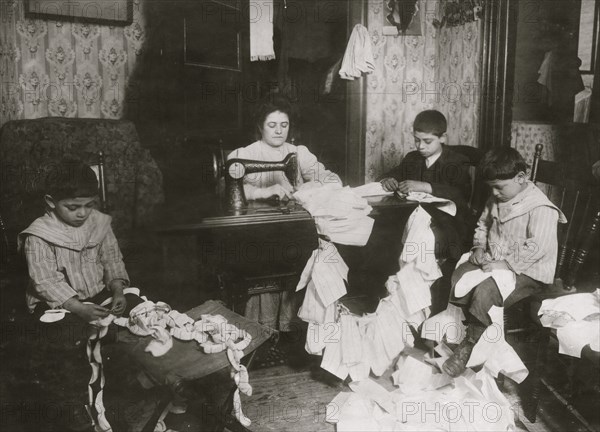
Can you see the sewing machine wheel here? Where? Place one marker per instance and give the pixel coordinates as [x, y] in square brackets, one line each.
[217, 167]
[237, 170]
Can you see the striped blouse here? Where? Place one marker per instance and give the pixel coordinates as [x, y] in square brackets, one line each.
[523, 232]
[59, 273]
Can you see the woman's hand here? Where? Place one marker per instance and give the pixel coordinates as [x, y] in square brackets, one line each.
[390, 184]
[276, 190]
[408, 186]
[477, 257]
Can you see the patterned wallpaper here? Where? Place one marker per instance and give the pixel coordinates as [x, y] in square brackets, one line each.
[59, 69]
[525, 136]
[437, 70]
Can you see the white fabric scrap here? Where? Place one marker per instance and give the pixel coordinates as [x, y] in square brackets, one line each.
[495, 353]
[418, 265]
[371, 189]
[505, 280]
[559, 311]
[577, 320]
[358, 58]
[334, 408]
[369, 389]
[471, 402]
[412, 375]
[448, 323]
[576, 335]
[444, 204]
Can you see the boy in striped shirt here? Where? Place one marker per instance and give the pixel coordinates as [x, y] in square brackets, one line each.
[517, 231]
[73, 257]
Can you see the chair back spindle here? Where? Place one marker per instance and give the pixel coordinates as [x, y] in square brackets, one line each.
[102, 183]
[578, 203]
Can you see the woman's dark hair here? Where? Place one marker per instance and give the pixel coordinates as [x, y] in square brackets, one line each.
[69, 178]
[430, 121]
[501, 163]
[270, 104]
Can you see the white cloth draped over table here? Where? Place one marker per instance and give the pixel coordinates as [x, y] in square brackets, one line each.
[339, 213]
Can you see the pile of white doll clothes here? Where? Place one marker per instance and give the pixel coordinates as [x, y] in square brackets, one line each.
[324, 278]
[425, 400]
[339, 213]
[357, 345]
[212, 332]
[576, 318]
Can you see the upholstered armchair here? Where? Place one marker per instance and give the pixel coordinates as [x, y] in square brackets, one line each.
[133, 179]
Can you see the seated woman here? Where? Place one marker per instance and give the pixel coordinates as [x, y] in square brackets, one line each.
[273, 124]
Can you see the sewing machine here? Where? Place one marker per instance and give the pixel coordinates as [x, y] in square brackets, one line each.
[235, 170]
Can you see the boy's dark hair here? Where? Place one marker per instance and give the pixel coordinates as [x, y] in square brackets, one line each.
[430, 121]
[501, 163]
[69, 178]
[270, 104]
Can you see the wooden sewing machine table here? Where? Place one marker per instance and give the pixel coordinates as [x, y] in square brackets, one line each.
[265, 247]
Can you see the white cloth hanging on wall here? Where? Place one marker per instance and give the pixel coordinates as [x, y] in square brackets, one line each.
[261, 30]
[358, 58]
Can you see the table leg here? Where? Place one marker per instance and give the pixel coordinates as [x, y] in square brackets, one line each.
[165, 398]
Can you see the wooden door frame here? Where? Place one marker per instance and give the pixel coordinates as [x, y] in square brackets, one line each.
[497, 78]
[356, 108]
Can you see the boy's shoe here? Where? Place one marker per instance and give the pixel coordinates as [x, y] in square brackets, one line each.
[456, 364]
[178, 407]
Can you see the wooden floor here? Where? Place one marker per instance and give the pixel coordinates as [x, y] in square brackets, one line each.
[288, 400]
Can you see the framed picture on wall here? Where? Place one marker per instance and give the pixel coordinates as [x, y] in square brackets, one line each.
[401, 17]
[107, 12]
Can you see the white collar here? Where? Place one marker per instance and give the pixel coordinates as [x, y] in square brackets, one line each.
[431, 159]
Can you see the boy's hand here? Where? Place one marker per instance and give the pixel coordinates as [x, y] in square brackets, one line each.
[408, 186]
[85, 311]
[477, 257]
[119, 304]
[390, 184]
[488, 266]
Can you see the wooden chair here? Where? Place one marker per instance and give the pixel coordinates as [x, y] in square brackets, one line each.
[578, 202]
[99, 170]
[479, 191]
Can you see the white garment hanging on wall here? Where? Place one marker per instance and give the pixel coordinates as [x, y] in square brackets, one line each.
[358, 58]
[261, 30]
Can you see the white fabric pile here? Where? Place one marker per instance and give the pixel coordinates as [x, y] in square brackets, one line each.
[357, 345]
[323, 277]
[338, 212]
[577, 320]
[212, 332]
[426, 400]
